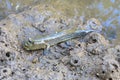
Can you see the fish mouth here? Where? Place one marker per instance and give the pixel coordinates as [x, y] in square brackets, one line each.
[25, 47]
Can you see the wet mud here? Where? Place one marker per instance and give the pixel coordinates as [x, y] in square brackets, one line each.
[90, 57]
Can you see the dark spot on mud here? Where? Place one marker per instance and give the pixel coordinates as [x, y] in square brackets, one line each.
[4, 71]
[79, 45]
[2, 41]
[118, 50]
[112, 71]
[61, 27]
[97, 75]
[93, 22]
[116, 67]
[13, 73]
[1, 60]
[110, 79]
[70, 48]
[8, 54]
[24, 69]
[10, 59]
[75, 61]
[6, 45]
[92, 40]
[103, 72]
[4, 24]
[17, 36]
[55, 21]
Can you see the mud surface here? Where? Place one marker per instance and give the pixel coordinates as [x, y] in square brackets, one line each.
[90, 57]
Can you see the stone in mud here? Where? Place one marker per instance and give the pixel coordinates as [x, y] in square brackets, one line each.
[75, 61]
[76, 57]
[95, 37]
[96, 43]
[94, 24]
[6, 72]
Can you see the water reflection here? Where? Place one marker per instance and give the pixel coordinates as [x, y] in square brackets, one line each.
[107, 11]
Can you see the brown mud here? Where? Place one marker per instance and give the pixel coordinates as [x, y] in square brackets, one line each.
[91, 57]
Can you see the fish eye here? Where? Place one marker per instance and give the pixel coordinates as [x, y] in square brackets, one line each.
[30, 41]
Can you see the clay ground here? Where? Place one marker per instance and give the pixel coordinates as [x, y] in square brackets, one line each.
[90, 57]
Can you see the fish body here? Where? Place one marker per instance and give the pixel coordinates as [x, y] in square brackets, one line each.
[50, 40]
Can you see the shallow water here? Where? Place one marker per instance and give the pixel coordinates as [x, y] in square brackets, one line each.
[107, 11]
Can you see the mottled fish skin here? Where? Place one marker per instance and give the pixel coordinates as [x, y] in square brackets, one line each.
[50, 40]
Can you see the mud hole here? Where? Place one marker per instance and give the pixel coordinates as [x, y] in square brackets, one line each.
[90, 57]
